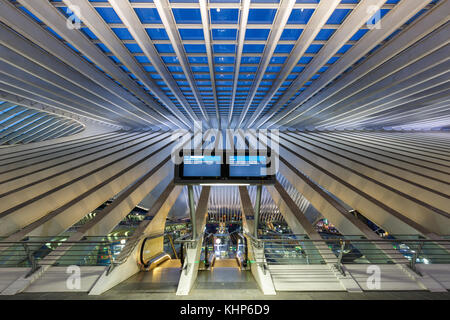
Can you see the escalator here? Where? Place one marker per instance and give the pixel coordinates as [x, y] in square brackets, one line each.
[225, 262]
[160, 272]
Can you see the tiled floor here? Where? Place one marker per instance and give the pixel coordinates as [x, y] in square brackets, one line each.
[229, 294]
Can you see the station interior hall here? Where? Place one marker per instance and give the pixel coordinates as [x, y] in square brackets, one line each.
[224, 149]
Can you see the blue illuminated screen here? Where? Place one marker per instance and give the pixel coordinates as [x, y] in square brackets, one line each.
[201, 166]
[247, 166]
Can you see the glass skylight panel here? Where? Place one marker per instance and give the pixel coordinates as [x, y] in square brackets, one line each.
[257, 34]
[109, 15]
[284, 48]
[171, 59]
[332, 60]
[87, 59]
[203, 83]
[113, 58]
[133, 48]
[157, 33]
[199, 69]
[224, 48]
[175, 68]
[273, 69]
[253, 48]
[224, 76]
[325, 34]
[224, 60]
[224, 34]
[338, 16]
[314, 48]
[122, 33]
[248, 69]
[187, 15]
[250, 60]
[203, 60]
[89, 33]
[298, 69]
[359, 34]
[64, 11]
[220, 15]
[300, 16]
[102, 47]
[191, 34]
[201, 76]
[195, 48]
[261, 16]
[244, 76]
[304, 60]
[224, 69]
[344, 48]
[291, 34]
[164, 48]
[269, 76]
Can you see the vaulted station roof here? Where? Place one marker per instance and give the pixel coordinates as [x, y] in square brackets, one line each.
[369, 64]
[20, 124]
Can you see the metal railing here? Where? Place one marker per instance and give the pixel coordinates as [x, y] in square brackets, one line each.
[34, 252]
[299, 249]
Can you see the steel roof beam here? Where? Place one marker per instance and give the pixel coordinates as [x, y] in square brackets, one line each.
[40, 131]
[165, 13]
[375, 98]
[35, 94]
[34, 105]
[131, 21]
[97, 25]
[13, 17]
[426, 96]
[25, 70]
[431, 46]
[19, 130]
[244, 10]
[10, 112]
[315, 24]
[21, 124]
[358, 17]
[53, 18]
[281, 18]
[222, 5]
[5, 105]
[418, 29]
[69, 132]
[408, 112]
[204, 11]
[14, 77]
[16, 118]
[65, 127]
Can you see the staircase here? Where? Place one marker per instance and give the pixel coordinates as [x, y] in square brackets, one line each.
[304, 278]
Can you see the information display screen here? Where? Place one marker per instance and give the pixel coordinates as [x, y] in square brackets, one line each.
[202, 166]
[221, 168]
[247, 166]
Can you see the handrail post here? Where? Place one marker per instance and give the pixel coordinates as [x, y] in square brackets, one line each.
[414, 258]
[173, 246]
[33, 264]
[192, 210]
[257, 209]
[339, 262]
